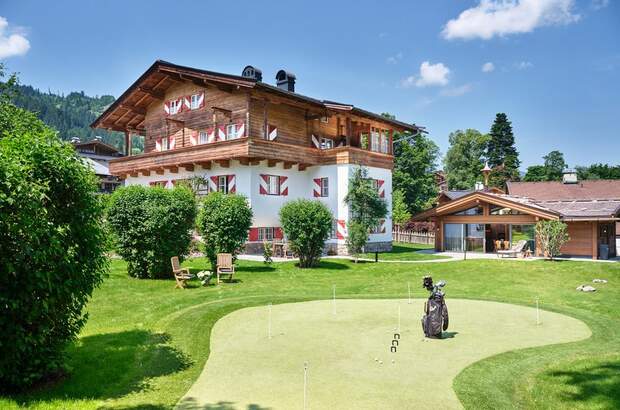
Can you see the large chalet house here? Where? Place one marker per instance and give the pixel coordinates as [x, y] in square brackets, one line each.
[477, 219]
[245, 136]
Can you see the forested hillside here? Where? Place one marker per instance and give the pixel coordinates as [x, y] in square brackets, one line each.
[70, 115]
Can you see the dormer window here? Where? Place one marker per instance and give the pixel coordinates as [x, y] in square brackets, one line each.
[194, 101]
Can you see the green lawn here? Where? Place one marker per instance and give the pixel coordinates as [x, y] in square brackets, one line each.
[146, 342]
[405, 252]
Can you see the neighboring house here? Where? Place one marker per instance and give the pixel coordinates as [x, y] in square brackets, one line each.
[266, 142]
[97, 156]
[591, 209]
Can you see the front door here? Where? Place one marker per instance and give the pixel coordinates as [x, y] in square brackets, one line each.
[607, 236]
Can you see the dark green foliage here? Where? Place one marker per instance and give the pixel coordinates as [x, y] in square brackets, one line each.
[151, 225]
[501, 153]
[551, 235]
[400, 213]
[357, 236]
[224, 222]
[307, 225]
[552, 169]
[365, 205]
[415, 160]
[52, 247]
[535, 173]
[465, 158]
[599, 171]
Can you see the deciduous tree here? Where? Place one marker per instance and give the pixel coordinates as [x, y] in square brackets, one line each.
[552, 235]
[465, 157]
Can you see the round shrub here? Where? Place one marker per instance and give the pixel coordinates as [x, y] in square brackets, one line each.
[151, 225]
[307, 225]
[52, 248]
[224, 222]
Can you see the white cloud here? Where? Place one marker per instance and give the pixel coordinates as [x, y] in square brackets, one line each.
[14, 44]
[457, 91]
[395, 59]
[492, 18]
[488, 67]
[523, 65]
[599, 4]
[430, 74]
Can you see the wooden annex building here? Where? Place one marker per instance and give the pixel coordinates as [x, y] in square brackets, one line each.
[477, 219]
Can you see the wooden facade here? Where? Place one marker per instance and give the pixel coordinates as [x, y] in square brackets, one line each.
[307, 132]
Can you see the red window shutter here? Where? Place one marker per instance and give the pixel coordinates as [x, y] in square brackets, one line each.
[193, 138]
[283, 186]
[232, 188]
[240, 129]
[253, 234]
[317, 187]
[171, 142]
[381, 188]
[264, 183]
[201, 100]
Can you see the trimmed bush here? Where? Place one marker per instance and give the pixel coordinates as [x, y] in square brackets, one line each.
[552, 235]
[307, 225]
[52, 248]
[224, 222]
[151, 225]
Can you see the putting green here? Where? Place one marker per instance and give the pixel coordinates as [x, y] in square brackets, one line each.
[247, 370]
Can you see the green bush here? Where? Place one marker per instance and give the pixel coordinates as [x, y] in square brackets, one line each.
[151, 225]
[552, 235]
[224, 222]
[356, 238]
[52, 248]
[307, 225]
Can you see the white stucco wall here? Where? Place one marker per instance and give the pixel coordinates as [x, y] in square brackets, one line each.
[300, 185]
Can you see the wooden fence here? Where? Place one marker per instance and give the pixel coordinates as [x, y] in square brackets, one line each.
[427, 238]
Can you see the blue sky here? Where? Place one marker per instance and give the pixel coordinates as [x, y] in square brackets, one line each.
[552, 65]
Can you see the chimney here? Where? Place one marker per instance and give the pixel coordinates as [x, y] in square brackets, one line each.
[252, 73]
[569, 176]
[285, 80]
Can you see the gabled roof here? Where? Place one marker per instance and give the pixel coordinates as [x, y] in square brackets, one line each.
[95, 142]
[559, 191]
[129, 110]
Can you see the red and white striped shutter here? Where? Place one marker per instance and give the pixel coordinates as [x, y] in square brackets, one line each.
[317, 187]
[283, 186]
[213, 184]
[201, 100]
[253, 234]
[180, 105]
[232, 187]
[193, 138]
[341, 229]
[381, 188]
[158, 144]
[210, 135]
[221, 133]
[273, 132]
[167, 107]
[187, 102]
[240, 129]
[264, 184]
[315, 142]
[172, 142]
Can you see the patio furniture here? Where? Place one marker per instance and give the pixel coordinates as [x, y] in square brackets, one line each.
[517, 249]
[278, 249]
[181, 275]
[225, 266]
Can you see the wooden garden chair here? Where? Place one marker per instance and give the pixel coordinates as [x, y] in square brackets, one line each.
[225, 266]
[181, 275]
[517, 249]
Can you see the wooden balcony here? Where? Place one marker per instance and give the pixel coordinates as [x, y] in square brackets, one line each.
[248, 151]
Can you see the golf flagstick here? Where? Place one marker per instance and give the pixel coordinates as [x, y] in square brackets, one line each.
[537, 313]
[409, 292]
[334, 298]
[305, 385]
[398, 318]
[269, 326]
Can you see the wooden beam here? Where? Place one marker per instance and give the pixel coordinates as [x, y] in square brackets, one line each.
[159, 95]
[224, 163]
[594, 240]
[224, 111]
[244, 161]
[272, 163]
[173, 169]
[288, 165]
[127, 143]
[255, 161]
[205, 165]
[159, 171]
[134, 109]
[134, 174]
[188, 167]
[146, 172]
[302, 167]
[348, 131]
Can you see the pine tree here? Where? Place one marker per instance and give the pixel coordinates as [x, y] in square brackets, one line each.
[502, 155]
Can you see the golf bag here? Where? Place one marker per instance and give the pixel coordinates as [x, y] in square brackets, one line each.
[435, 319]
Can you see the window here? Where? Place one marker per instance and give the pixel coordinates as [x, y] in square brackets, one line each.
[499, 210]
[194, 101]
[327, 143]
[164, 144]
[222, 184]
[174, 106]
[374, 141]
[324, 187]
[325, 120]
[202, 137]
[231, 131]
[274, 185]
[384, 142]
[265, 234]
[477, 210]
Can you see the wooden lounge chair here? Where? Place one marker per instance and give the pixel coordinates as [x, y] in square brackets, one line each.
[225, 266]
[517, 249]
[181, 275]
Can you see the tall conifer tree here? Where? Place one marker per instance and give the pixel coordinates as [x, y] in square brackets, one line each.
[502, 155]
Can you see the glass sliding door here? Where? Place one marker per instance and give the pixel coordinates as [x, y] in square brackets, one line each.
[523, 232]
[453, 237]
[475, 237]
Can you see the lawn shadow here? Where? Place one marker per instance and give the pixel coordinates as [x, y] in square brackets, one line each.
[333, 264]
[112, 365]
[594, 384]
[190, 404]
[254, 269]
[448, 335]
